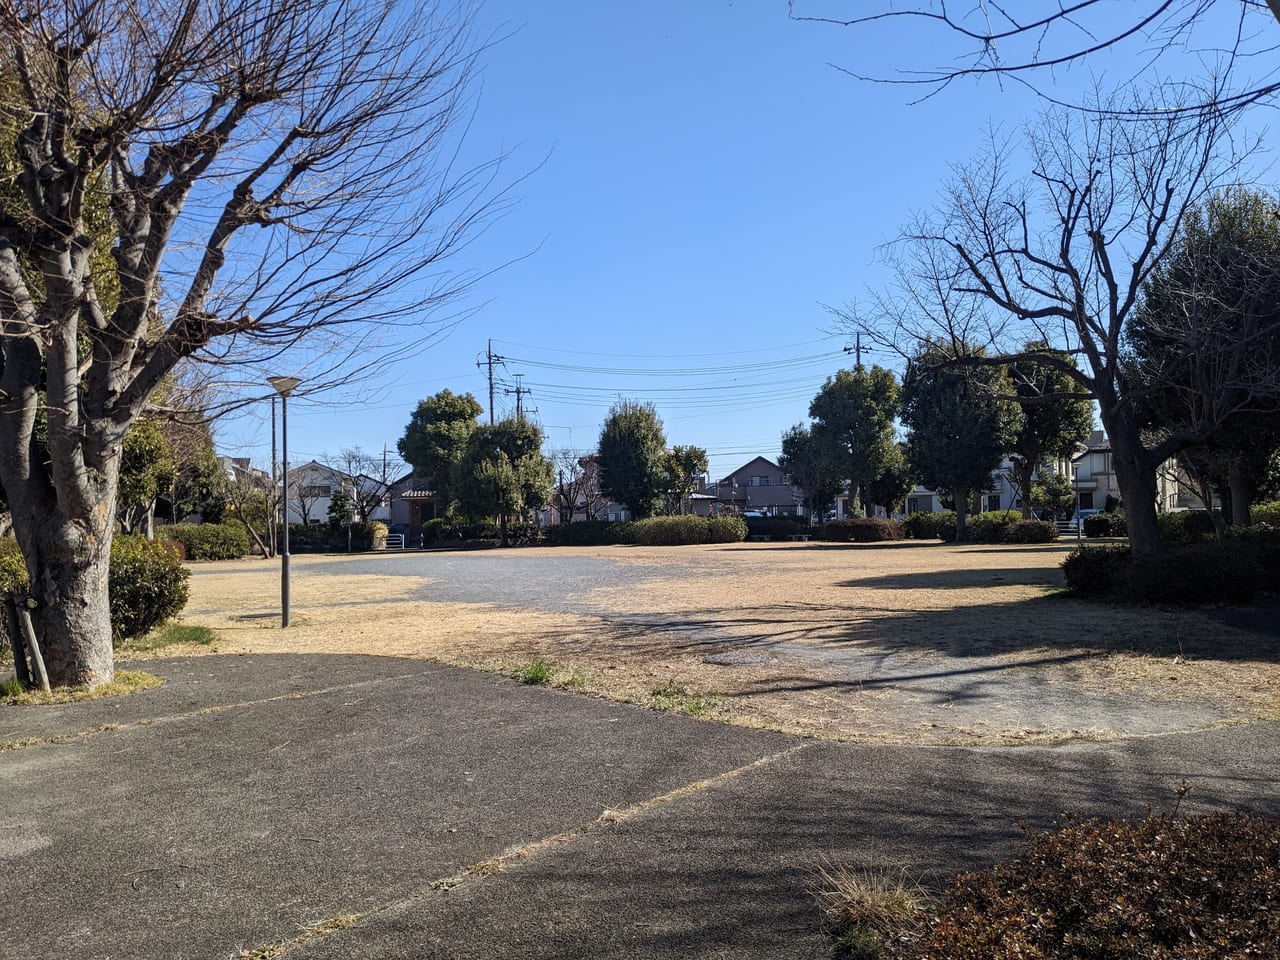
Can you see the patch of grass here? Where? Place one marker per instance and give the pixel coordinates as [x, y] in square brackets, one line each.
[538, 672]
[871, 916]
[574, 680]
[11, 689]
[171, 634]
[126, 682]
[677, 698]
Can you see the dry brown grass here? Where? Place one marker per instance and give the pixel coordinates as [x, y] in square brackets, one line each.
[930, 606]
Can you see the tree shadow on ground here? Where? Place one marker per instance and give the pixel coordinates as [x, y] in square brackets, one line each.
[1048, 623]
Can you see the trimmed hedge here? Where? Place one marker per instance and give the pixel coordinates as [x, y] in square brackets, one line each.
[929, 525]
[1032, 531]
[583, 533]
[147, 583]
[778, 527]
[1185, 526]
[688, 529]
[991, 527]
[1164, 888]
[1236, 571]
[1105, 525]
[862, 530]
[210, 541]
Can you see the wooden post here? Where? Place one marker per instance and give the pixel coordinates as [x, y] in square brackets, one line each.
[20, 668]
[33, 645]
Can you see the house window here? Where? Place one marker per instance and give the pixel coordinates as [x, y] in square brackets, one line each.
[317, 490]
[1086, 500]
[993, 501]
[913, 504]
[759, 481]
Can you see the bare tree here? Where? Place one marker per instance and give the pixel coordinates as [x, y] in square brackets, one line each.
[1032, 40]
[573, 484]
[1059, 255]
[372, 475]
[255, 500]
[282, 182]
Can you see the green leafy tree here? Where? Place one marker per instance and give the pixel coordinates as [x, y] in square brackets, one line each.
[340, 508]
[811, 469]
[853, 418]
[632, 457]
[1056, 418]
[895, 481]
[1053, 492]
[147, 468]
[959, 432]
[436, 438]
[502, 471]
[1205, 342]
[682, 467]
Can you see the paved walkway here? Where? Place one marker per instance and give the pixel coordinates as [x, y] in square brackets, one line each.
[361, 807]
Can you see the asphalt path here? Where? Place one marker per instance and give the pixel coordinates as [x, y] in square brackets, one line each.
[360, 807]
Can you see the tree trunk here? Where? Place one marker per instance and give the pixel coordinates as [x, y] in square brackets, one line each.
[868, 508]
[1238, 482]
[961, 498]
[502, 527]
[68, 564]
[1136, 474]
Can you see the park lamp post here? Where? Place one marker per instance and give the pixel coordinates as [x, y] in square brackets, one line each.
[284, 386]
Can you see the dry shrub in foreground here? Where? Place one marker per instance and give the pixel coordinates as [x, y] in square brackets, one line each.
[1190, 888]
[1164, 888]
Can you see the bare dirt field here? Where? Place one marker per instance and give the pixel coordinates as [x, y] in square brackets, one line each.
[908, 642]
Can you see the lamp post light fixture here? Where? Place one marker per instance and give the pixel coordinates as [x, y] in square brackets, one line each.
[284, 386]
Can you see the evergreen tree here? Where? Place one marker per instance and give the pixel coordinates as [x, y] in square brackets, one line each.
[632, 457]
[853, 417]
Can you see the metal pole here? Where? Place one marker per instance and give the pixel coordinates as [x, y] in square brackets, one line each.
[284, 556]
[275, 481]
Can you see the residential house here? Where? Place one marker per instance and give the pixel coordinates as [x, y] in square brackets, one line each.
[758, 486]
[311, 490]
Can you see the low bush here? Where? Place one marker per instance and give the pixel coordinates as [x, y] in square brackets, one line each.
[1031, 531]
[582, 533]
[1105, 525]
[991, 527]
[779, 528]
[1185, 526]
[862, 530]
[1096, 571]
[1265, 513]
[688, 529]
[147, 583]
[1190, 888]
[930, 525]
[147, 586]
[1236, 571]
[210, 541]
[434, 529]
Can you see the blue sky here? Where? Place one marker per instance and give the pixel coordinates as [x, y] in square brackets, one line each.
[701, 182]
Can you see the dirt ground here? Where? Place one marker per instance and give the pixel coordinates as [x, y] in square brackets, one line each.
[917, 643]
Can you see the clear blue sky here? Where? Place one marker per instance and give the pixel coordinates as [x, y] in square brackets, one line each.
[701, 183]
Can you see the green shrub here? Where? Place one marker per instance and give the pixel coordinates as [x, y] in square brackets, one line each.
[1185, 526]
[147, 582]
[779, 528]
[147, 585]
[13, 569]
[862, 530]
[1032, 531]
[434, 529]
[1096, 571]
[211, 541]
[1265, 513]
[688, 529]
[929, 525]
[369, 532]
[582, 533]
[991, 527]
[1236, 571]
[1191, 888]
[1105, 525]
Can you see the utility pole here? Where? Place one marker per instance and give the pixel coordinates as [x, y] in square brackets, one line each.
[858, 355]
[489, 357]
[519, 391]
